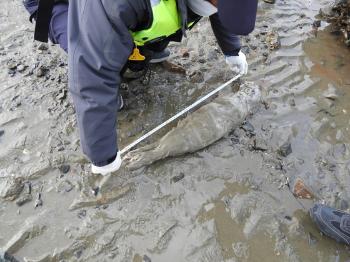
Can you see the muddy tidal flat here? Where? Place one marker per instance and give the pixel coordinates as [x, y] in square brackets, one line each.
[244, 198]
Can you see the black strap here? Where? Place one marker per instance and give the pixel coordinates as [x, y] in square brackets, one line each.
[43, 19]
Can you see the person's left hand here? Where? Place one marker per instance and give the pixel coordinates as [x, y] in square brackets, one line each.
[238, 64]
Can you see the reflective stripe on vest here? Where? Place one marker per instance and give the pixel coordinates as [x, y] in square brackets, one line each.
[166, 21]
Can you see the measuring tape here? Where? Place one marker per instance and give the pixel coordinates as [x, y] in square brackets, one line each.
[154, 130]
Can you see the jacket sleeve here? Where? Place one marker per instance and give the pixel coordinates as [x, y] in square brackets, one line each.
[229, 43]
[99, 45]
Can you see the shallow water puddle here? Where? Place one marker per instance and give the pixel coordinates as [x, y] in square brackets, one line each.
[331, 68]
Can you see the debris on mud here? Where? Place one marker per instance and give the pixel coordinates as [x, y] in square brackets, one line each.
[301, 191]
[177, 178]
[174, 68]
[273, 40]
[100, 199]
[339, 16]
[24, 199]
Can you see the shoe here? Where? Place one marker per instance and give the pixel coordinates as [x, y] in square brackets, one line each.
[121, 103]
[333, 223]
[161, 56]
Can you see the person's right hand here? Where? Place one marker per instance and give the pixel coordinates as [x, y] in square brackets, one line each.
[238, 64]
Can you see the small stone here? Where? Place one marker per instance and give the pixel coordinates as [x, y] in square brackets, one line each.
[288, 218]
[285, 149]
[39, 201]
[64, 169]
[11, 65]
[146, 259]
[12, 72]
[177, 178]
[185, 53]
[316, 23]
[24, 200]
[82, 214]
[260, 144]
[21, 68]
[40, 72]
[292, 102]
[301, 191]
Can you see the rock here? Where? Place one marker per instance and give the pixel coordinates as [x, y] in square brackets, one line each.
[301, 191]
[285, 149]
[24, 199]
[64, 169]
[177, 178]
[11, 187]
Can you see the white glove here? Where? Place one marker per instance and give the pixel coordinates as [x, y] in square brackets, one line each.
[112, 167]
[238, 64]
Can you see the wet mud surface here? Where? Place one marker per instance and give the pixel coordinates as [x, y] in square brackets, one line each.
[232, 201]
